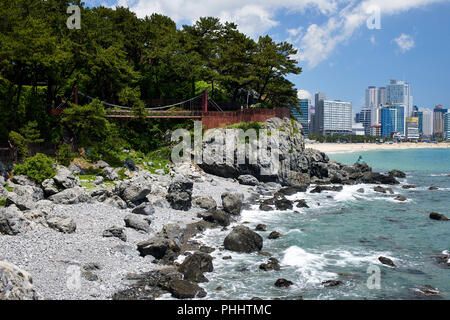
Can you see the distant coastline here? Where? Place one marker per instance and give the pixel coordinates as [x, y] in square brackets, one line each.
[353, 147]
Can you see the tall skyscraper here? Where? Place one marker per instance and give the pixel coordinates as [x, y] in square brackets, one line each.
[427, 122]
[399, 93]
[319, 98]
[381, 96]
[447, 126]
[412, 128]
[334, 117]
[364, 117]
[419, 115]
[438, 121]
[392, 121]
[372, 102]
[301, 112]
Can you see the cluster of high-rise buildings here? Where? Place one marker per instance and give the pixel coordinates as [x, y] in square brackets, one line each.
[388, 113]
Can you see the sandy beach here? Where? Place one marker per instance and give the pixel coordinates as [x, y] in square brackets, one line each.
[349, 147]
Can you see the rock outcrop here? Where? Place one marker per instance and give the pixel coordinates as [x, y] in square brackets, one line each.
[180, 193]
[242, 239]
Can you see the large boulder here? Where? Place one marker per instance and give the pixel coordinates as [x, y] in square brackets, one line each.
[49, 187]
[110, 174]
[134, 191]
[242, 239]
[218, 216]
[438, 216]
[71, 196]
[204, 202]
[115, 232]
[138, 223]
[183, 289]
[248, 180]
[231, 203]
[61, 223]
[397, 173]
[145, 209]
[15, 283]
[157, 247]
[195, 265]
[12, 221]
[24, 197]
[65, 179]
[22, 180]
[180, 193]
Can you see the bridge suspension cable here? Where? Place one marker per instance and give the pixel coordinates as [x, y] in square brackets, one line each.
[156, 108]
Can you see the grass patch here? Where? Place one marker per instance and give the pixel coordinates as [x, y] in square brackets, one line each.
[160, 159]
[121, 174]
[87, 177]
[8, 188]
[87, 185]
[2, 202]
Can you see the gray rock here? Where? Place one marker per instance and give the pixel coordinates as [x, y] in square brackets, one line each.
[102, 164]
[195, 265]
[157, 247]
[62, 223]
[261, 227]
[204, 202]
[218, 216]
[137, 223]
[24, 197]
[231, 203]
[116, 232]
[272, 264]
[49, 187]
[12, 221]
[71, 196]
[65, 179]
[2, 181]
[274, 235]
[135, 190]
[183, 289]
[248, 180]
[76, 169]
[110, 174]
[283, 283]
[145, 209]
[116, 201]
[242, 239]
[180, 193]
[15, 283]
[23, 181]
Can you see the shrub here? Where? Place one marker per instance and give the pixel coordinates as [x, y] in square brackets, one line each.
[19, 143]
[38, 168]
[2, 202]
[64, 154]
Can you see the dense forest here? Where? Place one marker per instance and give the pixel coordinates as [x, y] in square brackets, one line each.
[119, 58]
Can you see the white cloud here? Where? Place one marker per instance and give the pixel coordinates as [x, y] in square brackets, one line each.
[304, 94]
[254, 17]
[315, 42]
[404, 42]
[319, 42]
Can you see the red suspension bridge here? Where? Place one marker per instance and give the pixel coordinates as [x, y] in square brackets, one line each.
[194, 108]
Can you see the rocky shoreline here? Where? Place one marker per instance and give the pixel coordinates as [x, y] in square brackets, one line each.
[122, 239]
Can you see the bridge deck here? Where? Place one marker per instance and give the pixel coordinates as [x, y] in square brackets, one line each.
[155, 114]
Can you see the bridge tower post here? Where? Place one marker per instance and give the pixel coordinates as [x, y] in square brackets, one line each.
[75, 94]
[205, 101]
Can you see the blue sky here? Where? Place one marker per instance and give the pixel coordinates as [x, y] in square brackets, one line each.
[339, 54]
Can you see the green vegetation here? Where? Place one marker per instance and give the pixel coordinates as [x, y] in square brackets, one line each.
[342, 138]
[64, 154]
[120, 58]
[39, 168]
[2, 202]
[8, 188]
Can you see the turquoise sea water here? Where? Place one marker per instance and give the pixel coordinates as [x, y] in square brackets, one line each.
[342, 234]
